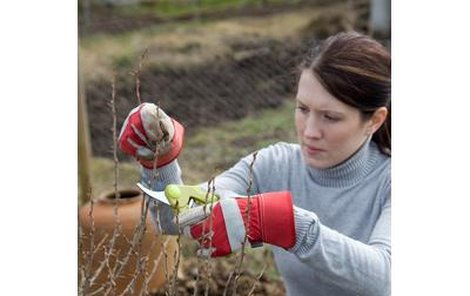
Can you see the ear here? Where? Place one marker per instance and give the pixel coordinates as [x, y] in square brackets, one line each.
[377, 119]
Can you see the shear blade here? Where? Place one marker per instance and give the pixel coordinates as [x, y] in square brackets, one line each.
[158, 195]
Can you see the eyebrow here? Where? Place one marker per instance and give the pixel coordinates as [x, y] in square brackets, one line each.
[323, 110]
[300, 101]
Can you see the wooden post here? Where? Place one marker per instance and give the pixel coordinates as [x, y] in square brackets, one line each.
[84, 150]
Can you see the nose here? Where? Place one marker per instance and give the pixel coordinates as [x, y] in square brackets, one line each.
[312, 128]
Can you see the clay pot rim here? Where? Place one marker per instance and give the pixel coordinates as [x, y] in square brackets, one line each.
[127, 195]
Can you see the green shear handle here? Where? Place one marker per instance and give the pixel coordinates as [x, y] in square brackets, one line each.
[181, 197]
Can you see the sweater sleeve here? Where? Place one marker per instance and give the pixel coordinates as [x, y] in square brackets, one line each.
[162, 215]
[362, 268]
[240, 178]
[255, 172]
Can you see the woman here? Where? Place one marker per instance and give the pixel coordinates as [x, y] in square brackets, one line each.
[323, 204]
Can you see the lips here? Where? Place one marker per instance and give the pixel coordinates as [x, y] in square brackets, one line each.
[312, 150]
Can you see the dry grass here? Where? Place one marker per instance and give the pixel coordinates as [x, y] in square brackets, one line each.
[193, 42]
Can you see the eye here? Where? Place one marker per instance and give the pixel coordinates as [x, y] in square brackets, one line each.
[302, 108]
[331, 118]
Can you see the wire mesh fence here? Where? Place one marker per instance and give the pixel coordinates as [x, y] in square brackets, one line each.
[202, 95]
[251, 73]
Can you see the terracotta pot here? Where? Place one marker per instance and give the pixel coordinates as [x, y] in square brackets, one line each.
[129, 212]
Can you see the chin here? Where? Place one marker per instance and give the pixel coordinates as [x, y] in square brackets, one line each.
[316, 163]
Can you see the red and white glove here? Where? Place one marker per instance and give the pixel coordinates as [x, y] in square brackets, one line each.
[147, 129]
[270, 220]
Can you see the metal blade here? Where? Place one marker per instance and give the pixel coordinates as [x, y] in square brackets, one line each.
[158, 195]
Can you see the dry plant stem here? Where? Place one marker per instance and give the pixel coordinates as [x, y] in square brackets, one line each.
[96, 292]
[153, 182]
[258, 278]
[102, 264]
[117, 226]
[136, 75]
[136, 244]
[174, 282]
[114, 130]
[108, 252]
[210, 191]
[168, 285]
[140, 229]
[205, 265]
[117, 196]
[148, 276]
[236, 273]
[135, 248]
[165, 254]
[156, 262]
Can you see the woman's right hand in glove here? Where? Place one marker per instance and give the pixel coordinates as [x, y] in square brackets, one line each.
[151, 136]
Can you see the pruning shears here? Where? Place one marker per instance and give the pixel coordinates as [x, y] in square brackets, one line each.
[181, 197]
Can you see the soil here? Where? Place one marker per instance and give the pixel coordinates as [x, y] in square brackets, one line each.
[216, 278]
[110, 20]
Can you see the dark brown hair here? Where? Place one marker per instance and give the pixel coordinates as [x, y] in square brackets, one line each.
[356, 70]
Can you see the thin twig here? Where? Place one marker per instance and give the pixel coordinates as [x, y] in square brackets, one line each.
[136, 75]
[236, 273]
[117, 225]
[177, 255]
[156, 264]
[258, 278]
[163, 248]
[210, 191]
[92, 279]
[204, 263]
[135, 244]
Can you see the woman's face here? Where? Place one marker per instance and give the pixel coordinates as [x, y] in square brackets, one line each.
[329, 131]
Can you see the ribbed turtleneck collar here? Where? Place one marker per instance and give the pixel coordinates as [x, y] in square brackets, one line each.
[350, 171]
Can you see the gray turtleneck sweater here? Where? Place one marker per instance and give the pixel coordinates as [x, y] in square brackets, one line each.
[342, 217]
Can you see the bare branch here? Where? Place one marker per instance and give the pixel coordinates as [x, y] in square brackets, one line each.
[235, 275]
[136, 74]
[258, 278]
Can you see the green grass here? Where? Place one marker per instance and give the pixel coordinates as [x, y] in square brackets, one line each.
[172, 8]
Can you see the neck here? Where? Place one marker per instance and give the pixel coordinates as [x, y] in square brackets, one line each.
[350, 171]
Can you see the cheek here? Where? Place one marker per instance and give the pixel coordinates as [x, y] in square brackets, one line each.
[299, 124]
[341, 137]
[346, 140]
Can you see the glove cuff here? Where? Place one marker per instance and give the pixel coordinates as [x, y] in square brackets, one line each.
[175, 150]
[276, 215]
[271, 219]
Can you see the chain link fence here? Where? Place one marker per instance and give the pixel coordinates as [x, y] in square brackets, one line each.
[252, 74]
